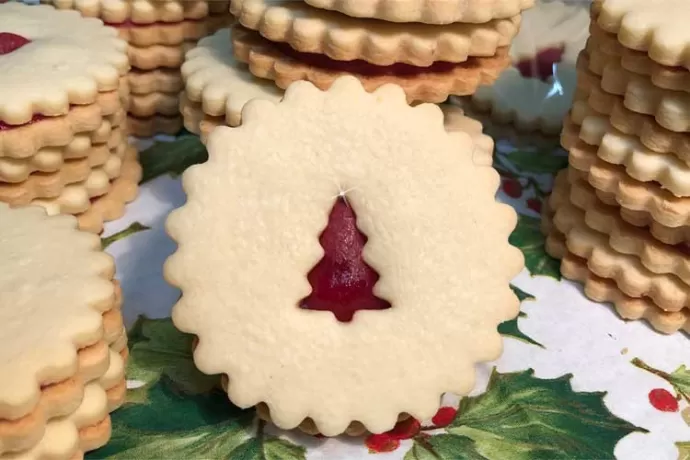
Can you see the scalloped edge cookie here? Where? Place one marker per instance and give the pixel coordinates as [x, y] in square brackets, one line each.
[340, 37]
[304, 387]
[266, 62]
[426, 11]
[137, 11]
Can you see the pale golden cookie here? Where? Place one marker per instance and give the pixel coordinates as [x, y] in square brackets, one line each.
[137, 11]
[343, 38]
[639, 62]
[640, 163]
[111, 206]
[164, 33]
[26, 140]
[427, 11]
[265, 61]
[221, 84]
[157, 124]
[671, 109]
[658, 27]
[627, 238]
[667, 290]
[148, 105]
[651, 134]
[409, 162]
[156, 56]
[36, 78]
[52, 159]
[163, 80]
[51, 185]
[71, 434]
[47, 249]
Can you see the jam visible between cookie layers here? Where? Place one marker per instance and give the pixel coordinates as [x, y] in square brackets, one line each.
[342, 282]
[127, 23]
[367, 69]
[541, 66]
[10, 42]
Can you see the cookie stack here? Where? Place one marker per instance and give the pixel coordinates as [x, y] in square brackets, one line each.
[64, 345]
[63, 94]
[430, 49]
[619, 216]
[159, 34]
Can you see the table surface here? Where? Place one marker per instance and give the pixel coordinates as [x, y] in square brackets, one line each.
[575, 381]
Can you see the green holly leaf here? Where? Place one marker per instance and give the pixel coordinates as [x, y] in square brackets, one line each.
[136, 227]
[510, 328]
[680, 379]
[180, 426]
[528, 238]
[443, 447]
[268, 448]
[171, 157]
[537, 162]
[683, 450]
[156, 349]
[520, 417]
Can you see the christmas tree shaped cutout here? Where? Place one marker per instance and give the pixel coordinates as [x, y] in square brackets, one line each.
[341, 281]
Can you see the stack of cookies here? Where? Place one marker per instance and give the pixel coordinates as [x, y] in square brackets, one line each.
[430, 49]
[64, 345]
[619, 216]
[159, 35]
[63, 96]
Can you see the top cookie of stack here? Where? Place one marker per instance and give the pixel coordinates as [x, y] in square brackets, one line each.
[431, 49]
[159, 34]
[621, 213]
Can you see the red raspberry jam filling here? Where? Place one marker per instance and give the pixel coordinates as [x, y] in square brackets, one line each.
[361, 67]
[342, 282]
[541, 66]
[127, 23]
[11, 42]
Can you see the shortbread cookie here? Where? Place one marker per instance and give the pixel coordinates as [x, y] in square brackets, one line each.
[111, 206]
[26, 140]
[56, 400]
[671, 109]
[529, 103]
[136, 11]
[46, 352]
[78, 198]
[666, 234]
[626, 238]
[157, 124]
[666, 289]
[163, 80]
[427, 11]
[158, 56]
[51, 159]
[163, 33]
[630, 308]
[640, 162]
[639, 62]
[36, 79]
[651, 134]
[407, 159]
[148, 105]
[113, 380]
[429, 84]
[342, 38]
[656, 27]
[51, 185]
[553, 25]
[221, 84]
[73, 434]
